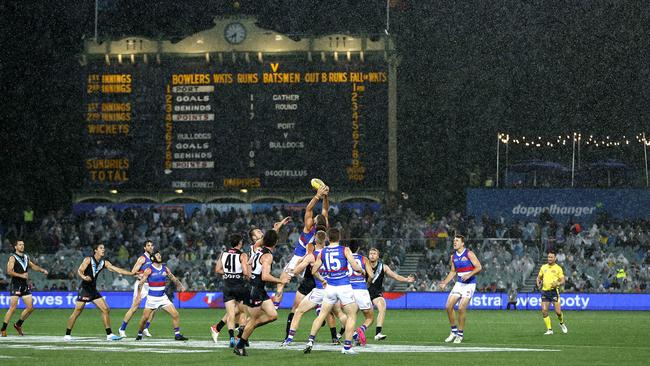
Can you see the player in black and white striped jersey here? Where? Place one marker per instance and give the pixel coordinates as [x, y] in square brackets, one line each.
[233, 266]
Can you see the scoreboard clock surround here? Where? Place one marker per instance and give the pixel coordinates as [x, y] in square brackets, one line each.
[191, 125]
[235, 33]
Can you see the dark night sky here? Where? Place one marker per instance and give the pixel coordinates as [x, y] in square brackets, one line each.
[468, 70]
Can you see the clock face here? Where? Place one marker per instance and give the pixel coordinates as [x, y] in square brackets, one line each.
[235, 33]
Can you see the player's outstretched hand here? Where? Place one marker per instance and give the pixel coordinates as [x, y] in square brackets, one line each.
[322, 191]
[281, 223]
[410, 279]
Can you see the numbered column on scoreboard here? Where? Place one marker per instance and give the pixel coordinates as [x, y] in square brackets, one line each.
[201, 126]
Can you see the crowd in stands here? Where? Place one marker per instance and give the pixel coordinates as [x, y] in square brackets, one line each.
[608, 256]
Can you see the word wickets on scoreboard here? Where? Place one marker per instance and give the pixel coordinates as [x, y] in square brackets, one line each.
[272, 125]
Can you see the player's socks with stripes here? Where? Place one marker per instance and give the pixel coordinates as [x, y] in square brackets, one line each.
[454, 329]
[123, 326]
[220, 325]
[377, 330]
[547, 321]
[109, 331]
[291, 334]
[177, 331]
[363, 328]
[289, 319]
[146, 325]
[347, 345]
[460, 333]
[19, 323]
[4, 326]
[311, 339]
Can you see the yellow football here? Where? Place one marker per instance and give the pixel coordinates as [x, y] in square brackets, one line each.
[317, 183]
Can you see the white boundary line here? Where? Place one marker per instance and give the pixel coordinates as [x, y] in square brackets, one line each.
[172, 346]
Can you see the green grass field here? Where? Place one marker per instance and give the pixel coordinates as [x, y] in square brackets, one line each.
[594, 338]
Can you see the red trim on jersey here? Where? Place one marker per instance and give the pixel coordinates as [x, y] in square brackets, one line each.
[465, 269]
[157, 284]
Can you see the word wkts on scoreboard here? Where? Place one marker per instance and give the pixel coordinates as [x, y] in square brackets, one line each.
[272, 125]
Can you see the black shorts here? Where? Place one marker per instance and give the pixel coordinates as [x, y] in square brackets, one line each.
[306, 286]
[236, 292]
[551, 296]
[375, 293]
[88, 294]
[257, 297]
[19, 288]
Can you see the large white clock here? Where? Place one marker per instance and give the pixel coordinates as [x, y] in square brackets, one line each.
[235, 33]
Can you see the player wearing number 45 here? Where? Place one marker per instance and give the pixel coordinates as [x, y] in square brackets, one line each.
[549, 279]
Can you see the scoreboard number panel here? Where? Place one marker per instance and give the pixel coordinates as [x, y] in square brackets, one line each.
[193, 125]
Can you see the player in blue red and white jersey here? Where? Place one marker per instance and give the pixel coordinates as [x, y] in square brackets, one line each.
[358, 281]
[332, 269]
[143, 262]
[464, 267]
[315, 296]
[305, 243]
[157, 276]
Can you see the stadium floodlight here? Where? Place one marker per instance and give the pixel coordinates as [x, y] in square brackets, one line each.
[178, 191]
[112, 191]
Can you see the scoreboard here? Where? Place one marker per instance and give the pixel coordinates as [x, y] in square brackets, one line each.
[189, 124]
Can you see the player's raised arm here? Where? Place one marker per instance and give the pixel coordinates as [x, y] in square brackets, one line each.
[179, 285]
[36, 267]
[452, 273]
[475, 262]
[112, 268]
[82, 269]
[396, 276]
[325, 211]
[309, 214]
[278, 225]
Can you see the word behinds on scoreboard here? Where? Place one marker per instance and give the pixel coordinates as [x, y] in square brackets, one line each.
[233, 126]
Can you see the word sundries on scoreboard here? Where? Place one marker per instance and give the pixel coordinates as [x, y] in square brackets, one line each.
[271, 125]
